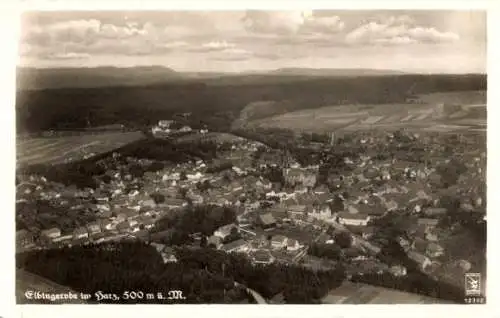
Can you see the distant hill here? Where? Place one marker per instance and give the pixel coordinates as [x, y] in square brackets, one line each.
[333, 72]
[107, 76]
[44, 78]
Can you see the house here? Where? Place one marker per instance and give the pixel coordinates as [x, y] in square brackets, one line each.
[391, 205]
[321, 189]
[168, 255]
[150, 203]
[262, 257]
[323, 238]
[123, 226]
[235, 246]
[305, 177]
[278, 212]
[159, 247]
[428, 222]
[321, 211]
[63, 238]
[80, 233]
[366, 232]
[464, 265]
[405, 244]
[107, 225]
[225, 230]
[165, 124]
[93, 228]
[398, 270]
[148, 222]
[141, 235]
[346, 218]
[216, 241]
[295, 210]
[421, 259]
[292, 245]
[51, 233]
[173, 203]
[279, 241]
[370, 247]
[431, 236]
[419, 244]
[24, 238]
[101, 198]
[434, 250]
[266, 221]
[435, 211]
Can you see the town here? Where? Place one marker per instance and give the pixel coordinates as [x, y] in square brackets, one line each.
[355, 199]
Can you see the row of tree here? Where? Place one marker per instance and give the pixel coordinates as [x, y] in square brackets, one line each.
[134, 267]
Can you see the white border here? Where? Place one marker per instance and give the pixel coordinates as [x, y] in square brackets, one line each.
[9, 28]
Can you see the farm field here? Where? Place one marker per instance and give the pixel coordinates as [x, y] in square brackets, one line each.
[458, 98]
[28, 281]
[418, 116]
[354, 293]
[54, 150]
[216, 136]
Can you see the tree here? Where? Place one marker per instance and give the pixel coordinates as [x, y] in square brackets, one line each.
[158, 198]
[343, 239]
[337, 205]
[203, 242]
[106, 179]
[156, 166]
[182, 192]
[183, 176]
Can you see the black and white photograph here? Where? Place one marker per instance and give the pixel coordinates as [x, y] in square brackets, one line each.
[259, 157]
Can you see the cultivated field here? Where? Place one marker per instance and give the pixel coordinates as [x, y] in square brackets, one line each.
[26, 281]
[458, 98]
[354, 293]
[60, 149]
[428, 116]
[211, 136]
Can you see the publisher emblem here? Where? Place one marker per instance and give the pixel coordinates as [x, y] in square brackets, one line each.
[472, 284]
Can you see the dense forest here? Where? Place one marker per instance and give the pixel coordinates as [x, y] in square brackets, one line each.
[203, 275]
[204, 219]
[215, 104]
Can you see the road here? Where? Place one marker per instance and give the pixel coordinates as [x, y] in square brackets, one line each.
[258, 297]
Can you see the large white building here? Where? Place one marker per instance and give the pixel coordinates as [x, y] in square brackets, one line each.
[360, 219]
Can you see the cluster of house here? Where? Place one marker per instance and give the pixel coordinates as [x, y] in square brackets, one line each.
[260, 249]
[167, 127]
[132, 212]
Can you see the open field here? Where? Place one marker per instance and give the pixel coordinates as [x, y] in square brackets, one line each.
[26, 281]
[413, 116]
[355, 293]
[457, 98]
[54, 150]
[211, 136]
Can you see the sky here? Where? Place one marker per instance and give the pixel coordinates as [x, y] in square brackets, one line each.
[427, 41]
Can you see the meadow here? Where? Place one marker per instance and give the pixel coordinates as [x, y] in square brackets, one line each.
[61, 149]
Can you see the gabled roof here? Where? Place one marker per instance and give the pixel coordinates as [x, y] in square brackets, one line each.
[291, 242]
[278, 238]
[51, 231]
[80, 230]
[428, 221]
[420, 258]
[297, 208]
[267, 219]
[233, 245]
[262, 256]
[352, 216]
